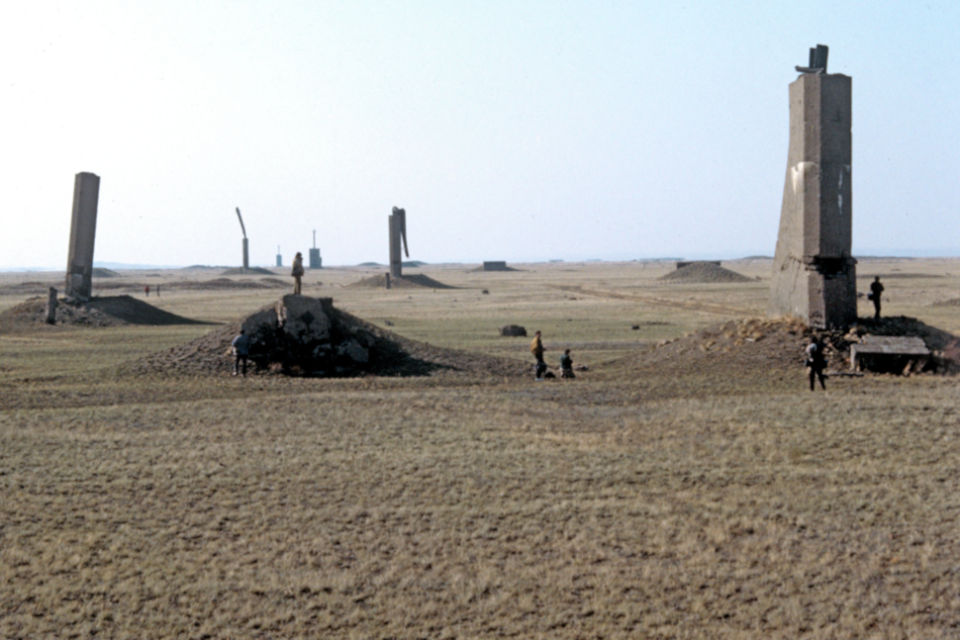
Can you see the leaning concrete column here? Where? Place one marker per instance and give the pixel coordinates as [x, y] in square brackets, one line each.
[814, 275]
[52, 306]
[398, 232]
[83, 229]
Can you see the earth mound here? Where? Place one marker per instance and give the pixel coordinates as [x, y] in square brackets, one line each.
[249, 271]
[108, 311]
[704, 272]
[379, 281]
[777, 345]
[305, 336]
[103, 272]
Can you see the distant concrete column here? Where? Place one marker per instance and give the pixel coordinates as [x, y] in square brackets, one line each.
[246, 254]
[52, 306]
[398, 232]
[814, 275]
[315, 261]
[83, 229]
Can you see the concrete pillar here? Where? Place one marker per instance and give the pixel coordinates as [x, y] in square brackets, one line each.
[398, 231]
[83, 229]
[814, 275]
[52, 306]
[315, 261]
[246, 255]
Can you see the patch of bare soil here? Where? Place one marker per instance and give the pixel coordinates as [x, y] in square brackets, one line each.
[379, 281]
[391, 355]
[704, 272]
[249, 271]
[109, 311]
[952, 302]
[227, 283]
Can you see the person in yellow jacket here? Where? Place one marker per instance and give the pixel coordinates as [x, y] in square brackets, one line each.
[536, 348]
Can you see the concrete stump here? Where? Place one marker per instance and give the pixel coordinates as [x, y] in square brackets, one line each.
[51, 317]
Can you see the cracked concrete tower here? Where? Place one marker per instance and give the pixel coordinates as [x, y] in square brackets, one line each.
[814, 275]
[83, 231]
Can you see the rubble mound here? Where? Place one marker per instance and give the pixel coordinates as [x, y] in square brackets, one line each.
[305, 336]
[379, 281]
[772, 344]
[704, 272]
[107, 311]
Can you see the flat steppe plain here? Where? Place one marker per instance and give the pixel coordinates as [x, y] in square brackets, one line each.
[682, 500]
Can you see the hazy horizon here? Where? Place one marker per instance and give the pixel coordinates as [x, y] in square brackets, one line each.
[522, 131]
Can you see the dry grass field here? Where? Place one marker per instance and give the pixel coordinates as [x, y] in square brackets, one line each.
[701, 496]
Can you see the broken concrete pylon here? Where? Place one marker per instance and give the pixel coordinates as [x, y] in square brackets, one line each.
[814, 275]
[83, 230]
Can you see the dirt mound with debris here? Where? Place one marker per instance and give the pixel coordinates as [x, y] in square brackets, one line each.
[776, 345]
[108, 311]
[103, 272]
[704, 272]
[386, 353]
[379, 281]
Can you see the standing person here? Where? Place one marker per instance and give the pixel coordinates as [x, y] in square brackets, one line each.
[566, 365]
[297, 272]
[876, 289]
[241, 349]
[536, 348]
[146, 290]
[816, 361]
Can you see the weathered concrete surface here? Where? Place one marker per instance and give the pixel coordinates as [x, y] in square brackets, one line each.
[83, 230]
[814, 275]
[889, 353]
[398, 232]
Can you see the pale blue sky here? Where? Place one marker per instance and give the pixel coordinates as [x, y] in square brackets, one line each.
[517, 131]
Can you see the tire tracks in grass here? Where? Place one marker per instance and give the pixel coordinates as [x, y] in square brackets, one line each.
[706, 307]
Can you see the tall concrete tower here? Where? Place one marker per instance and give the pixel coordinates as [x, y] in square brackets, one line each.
[814, 275]
[83, 230]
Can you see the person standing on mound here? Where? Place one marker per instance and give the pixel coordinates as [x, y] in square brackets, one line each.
[876, 290]
[297, 272]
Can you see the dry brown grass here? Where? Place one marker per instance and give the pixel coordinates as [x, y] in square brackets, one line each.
[707, 503]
